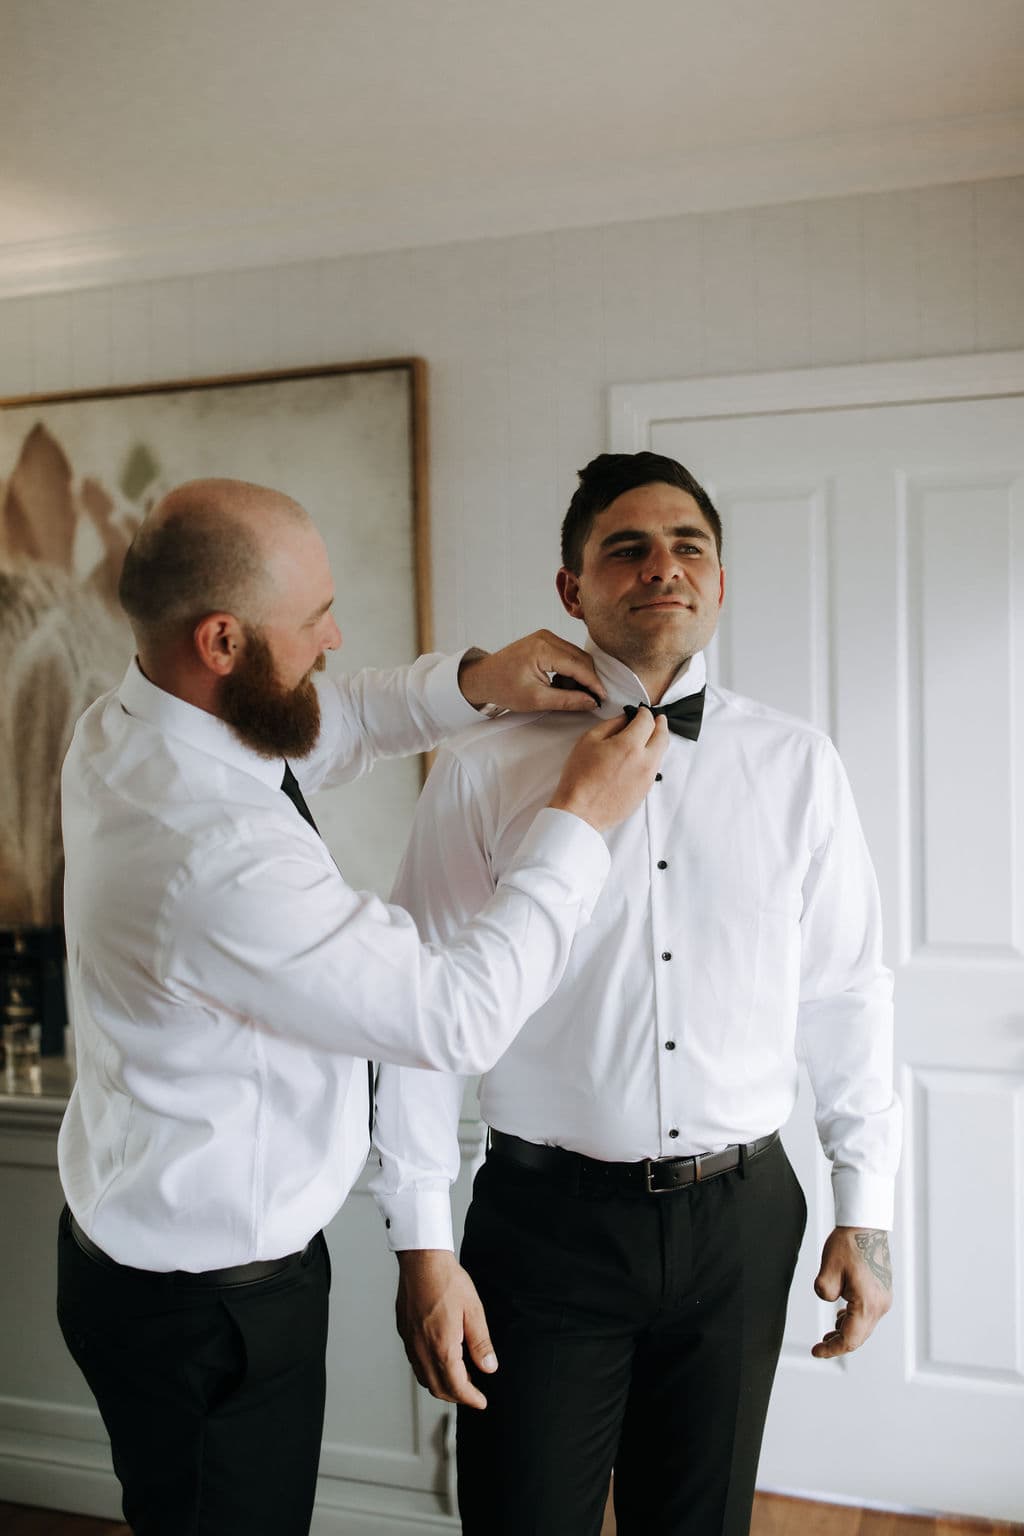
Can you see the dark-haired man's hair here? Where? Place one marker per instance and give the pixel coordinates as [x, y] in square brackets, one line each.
[184, 567]
[611, 475]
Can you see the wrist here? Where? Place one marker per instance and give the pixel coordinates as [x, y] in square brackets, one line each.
[470, 681]
[424, 1260]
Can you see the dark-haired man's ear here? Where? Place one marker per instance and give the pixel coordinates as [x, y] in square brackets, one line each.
[567, 585]
[219, 642]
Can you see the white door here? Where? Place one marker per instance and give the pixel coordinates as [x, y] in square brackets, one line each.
[875, 584]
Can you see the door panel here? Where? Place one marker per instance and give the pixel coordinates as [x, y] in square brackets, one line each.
[875, 585]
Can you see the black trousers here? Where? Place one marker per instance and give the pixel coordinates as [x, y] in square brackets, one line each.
[633, 1331]
[213, 1398]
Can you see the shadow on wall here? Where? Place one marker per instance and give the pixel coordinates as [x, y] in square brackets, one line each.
[63, 641]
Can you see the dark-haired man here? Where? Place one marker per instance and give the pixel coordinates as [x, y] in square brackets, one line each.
[228, 986]
[631, 1241]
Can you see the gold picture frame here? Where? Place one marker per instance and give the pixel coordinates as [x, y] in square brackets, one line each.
[78, 470]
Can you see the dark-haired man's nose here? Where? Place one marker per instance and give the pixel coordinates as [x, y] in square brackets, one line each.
[660, 565]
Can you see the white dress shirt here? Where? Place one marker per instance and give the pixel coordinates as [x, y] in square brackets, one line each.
[739, 928]
[225, 981]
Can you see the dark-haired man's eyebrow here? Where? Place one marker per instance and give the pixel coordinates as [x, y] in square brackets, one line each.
[637, 535]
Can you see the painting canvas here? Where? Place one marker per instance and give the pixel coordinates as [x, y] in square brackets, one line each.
[78, 473]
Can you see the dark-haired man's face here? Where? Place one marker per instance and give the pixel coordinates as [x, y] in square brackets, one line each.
[268, 717]
[651, 584]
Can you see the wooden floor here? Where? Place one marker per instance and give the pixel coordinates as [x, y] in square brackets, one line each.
[773, 1516]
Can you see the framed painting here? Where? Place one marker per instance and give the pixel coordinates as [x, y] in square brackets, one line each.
[79, 471]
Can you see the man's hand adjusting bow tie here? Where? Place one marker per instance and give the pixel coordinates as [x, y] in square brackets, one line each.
[684, 716]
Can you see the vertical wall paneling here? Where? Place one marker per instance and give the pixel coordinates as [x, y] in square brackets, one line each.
[475, 284]
[302, 336]
[52, 362]
[892, 303]
[999, 271]
[947, 232]
[730, 317]
[579, 349]
[130, 336]
[212, 326]
[536, 498]
[782, 310]
[835, 280]
[171, 314]
[343, 312]
[91, 352]
[676, 274]
[627, 298]
[250, 307]
[16, 346]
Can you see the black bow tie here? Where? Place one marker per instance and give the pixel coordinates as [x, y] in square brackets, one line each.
[684, 716]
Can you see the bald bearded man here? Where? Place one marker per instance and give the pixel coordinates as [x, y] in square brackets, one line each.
[228, 988]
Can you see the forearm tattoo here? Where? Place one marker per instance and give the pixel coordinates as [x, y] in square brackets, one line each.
[874, 1250]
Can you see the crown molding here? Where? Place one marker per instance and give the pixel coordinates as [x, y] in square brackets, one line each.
[914, 155]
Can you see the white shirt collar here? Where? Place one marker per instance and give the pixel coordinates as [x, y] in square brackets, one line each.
[624, 687]
[176, 717]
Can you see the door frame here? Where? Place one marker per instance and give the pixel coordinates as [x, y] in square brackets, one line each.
[633, 409]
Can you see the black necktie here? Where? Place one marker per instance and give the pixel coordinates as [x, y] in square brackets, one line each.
[684, 716]
[290, 785]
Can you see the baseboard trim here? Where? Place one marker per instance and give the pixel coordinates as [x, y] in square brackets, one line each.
[342, 1509]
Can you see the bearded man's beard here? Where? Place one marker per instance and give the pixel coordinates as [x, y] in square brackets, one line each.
[273, 721]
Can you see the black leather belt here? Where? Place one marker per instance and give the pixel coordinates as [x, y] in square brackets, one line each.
[235, 1274]
[653, 1176]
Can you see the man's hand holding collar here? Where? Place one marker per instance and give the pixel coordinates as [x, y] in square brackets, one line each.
[518, 677]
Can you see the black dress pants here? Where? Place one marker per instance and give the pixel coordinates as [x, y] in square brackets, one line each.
[213, 1397]
[633, 1331]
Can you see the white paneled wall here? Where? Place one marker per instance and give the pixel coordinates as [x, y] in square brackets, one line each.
[522, 335]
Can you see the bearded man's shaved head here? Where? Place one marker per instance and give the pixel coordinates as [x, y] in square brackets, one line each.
[207, 547]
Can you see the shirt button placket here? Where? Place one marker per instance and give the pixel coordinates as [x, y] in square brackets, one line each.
[664, 1003]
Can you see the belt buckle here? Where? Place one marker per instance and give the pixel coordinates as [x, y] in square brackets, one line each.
[650, 1163]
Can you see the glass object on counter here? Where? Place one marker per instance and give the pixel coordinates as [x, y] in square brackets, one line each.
[22, 1039]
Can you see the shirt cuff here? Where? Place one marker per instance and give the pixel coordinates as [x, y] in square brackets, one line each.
[444, 699]
[863, 1199]
[418, 1218]
[570, 852]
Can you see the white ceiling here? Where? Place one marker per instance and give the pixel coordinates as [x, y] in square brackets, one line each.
[142, 137]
